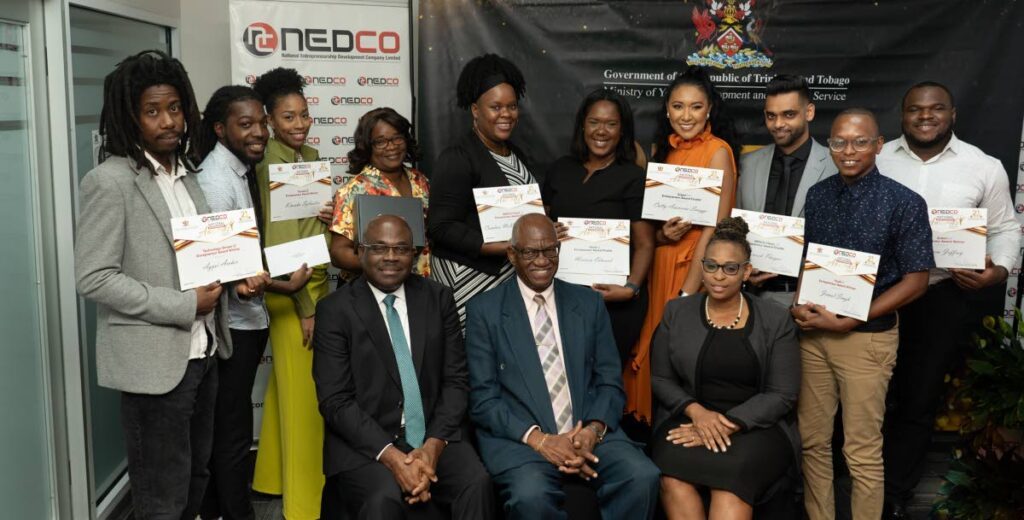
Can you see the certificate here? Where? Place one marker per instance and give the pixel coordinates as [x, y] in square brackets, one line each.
[287, 257]
[682, 191]
[596, 251]
[500, 206]
[298, 190]
[776, 242]
[221, 246]
[958, 236]
[841, 280]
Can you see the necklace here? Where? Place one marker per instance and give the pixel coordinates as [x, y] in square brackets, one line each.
[732, 325]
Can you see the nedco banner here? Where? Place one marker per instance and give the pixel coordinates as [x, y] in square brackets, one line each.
[353, 58]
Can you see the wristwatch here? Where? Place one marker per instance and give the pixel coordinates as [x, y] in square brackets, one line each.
[598, 430]
[632, 286]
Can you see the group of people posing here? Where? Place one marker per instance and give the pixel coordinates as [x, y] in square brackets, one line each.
[463, 378]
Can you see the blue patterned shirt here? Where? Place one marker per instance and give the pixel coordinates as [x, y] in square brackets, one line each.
[875, 215]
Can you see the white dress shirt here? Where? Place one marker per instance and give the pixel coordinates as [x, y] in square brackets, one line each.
[403, 315]
[180, 204]
[961, 176]
[222, 177]
[531, 313]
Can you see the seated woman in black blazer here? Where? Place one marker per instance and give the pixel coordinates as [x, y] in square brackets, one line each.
[725, 373]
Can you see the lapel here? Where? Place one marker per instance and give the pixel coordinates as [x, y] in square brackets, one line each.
[812, 174]
[519, 339]
[146, 183]
[763, 169]
[416, 298]
[367, 309]
[490, 173]
[196, 192]
[569, 321]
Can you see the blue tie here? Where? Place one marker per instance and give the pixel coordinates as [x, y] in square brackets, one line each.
[415, 424]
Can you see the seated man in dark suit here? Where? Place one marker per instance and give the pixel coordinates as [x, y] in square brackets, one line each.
[390, 373]
[546, 389]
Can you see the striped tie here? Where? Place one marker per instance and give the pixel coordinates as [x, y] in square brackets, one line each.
[554, 369]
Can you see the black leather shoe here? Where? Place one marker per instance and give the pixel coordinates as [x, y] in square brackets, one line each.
[895, 511]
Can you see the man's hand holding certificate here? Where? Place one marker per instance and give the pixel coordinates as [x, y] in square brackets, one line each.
[841, 280]
[596, 251]
[298, 190]
[958, 237]
[500, 206]
[682, 191]
[776, 242]
[221, 246]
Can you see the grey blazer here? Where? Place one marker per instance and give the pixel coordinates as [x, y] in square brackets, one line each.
[754, 169]
[124, 261]
[676, 349]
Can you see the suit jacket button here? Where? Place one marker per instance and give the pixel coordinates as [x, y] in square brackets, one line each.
[501, 366]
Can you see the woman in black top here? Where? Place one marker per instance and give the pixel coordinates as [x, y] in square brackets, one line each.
[600, 179]
[490, 87]
[725, 374]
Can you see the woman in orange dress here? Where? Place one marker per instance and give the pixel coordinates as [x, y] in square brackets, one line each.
[694, 132]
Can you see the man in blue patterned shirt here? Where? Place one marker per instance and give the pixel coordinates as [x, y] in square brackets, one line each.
[844, 359]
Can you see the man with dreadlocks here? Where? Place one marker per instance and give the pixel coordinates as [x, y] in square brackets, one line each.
[155, 343]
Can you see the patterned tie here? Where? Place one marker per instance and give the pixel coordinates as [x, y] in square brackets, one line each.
[415, 424]
[554, 370]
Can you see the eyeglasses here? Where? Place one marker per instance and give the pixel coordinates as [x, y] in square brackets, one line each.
[729, 268]
[527, 253]
[860, 144]
[381, 143]
[384, 249]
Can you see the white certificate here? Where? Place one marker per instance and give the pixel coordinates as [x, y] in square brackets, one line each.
[776, 242]
[286, 258]
[221, 246]
[298, 190]
[682, 191]
[958, 236]
[500, 206]
[596, 251]
[841, 280]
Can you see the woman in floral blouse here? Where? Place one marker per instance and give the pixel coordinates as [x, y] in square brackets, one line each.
[383, 145]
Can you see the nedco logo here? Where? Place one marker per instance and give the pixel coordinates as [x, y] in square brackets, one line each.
[377, 82]
[324, 80]
[351, 100]
[330, 121]
[262, 39]
[338, 139]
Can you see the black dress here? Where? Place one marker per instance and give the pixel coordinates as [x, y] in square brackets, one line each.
[728, 374]
[614, 192]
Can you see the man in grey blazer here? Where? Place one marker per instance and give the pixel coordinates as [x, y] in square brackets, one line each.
[775, 178]
[155, 343]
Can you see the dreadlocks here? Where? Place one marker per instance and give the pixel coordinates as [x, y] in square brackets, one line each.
[276, 84]
[122, 90]
[217, 112]
[484, 73]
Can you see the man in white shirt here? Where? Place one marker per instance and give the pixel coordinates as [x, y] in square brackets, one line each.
[947, 172]
[546, 389]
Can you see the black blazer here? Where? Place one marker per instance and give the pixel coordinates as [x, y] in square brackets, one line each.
[452, 222]
[356, 375]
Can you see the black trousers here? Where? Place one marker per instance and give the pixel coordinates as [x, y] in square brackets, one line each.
[933, 330]
[463, 486]
[228, 494]
[168, 439]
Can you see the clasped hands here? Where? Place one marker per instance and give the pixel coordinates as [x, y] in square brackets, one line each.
[811, 316]
[571, 452]
[709, 429]
[414, 471]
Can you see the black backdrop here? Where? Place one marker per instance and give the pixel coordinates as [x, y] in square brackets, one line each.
[858, 53]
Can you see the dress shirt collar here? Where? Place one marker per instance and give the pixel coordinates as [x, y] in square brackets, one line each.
[953, 146]
[379, 295]
[179, 168]
[230, 159]
[528, 294]
[859, 187]
[801, 153]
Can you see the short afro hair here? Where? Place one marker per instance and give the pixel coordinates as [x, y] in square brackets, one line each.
[276, 84]
[484, 73]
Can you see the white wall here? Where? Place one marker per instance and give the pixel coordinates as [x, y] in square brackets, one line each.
[205, 45]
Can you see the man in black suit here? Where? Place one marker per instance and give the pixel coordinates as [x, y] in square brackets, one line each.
[391, 378]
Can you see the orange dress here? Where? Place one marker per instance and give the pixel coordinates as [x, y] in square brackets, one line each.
[668, 273]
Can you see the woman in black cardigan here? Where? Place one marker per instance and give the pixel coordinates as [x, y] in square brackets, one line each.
[725, 377]
[490, 87]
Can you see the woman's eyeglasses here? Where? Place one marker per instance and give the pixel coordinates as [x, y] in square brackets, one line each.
[729, 268]
[381, 143]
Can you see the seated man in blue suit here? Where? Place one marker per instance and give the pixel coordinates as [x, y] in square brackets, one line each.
[546, 389]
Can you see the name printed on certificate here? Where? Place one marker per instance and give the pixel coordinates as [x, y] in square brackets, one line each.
[498, 208]
[596, 251]
[776, 242]
[682, 191]
[841, 280]
[959, 237]
[221, 246]
[298, 190]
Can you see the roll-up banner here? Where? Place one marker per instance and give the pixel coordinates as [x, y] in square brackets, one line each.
[353, 57]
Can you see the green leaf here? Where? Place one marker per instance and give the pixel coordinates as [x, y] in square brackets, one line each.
[981, 367]
[959, 478]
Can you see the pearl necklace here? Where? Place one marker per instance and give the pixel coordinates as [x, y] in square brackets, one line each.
[734, 323]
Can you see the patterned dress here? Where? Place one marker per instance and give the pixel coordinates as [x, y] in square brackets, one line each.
[465, 281]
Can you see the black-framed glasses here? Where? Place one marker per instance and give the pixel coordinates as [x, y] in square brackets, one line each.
[381, 143]
[860, 144]
[528, 253]
[383, 249]
[729, 268]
